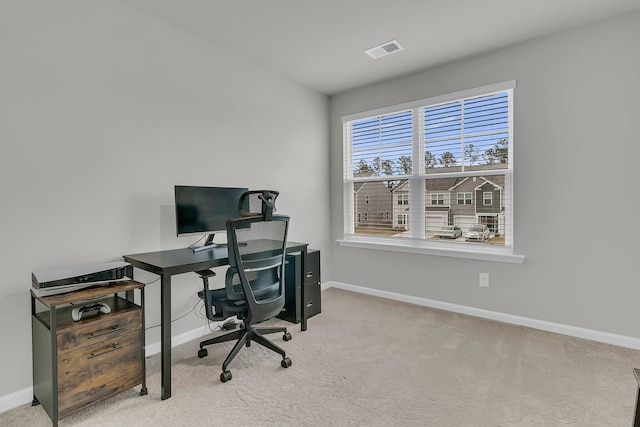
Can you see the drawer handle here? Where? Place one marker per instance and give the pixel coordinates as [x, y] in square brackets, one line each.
[109, 350]
[106, 332]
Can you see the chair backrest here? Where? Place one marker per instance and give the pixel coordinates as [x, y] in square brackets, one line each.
[257, 250]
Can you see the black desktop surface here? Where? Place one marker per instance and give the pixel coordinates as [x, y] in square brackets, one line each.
[184, 260]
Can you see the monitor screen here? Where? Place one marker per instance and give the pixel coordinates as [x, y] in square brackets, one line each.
[202, 210]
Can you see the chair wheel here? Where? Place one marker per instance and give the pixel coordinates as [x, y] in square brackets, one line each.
[225, 376]
[286, 336]
[203, 353]
[285, 363]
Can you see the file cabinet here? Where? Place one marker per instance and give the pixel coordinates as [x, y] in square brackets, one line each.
[292, 311]
[78, 363]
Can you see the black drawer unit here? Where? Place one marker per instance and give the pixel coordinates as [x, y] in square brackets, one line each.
[292, 311]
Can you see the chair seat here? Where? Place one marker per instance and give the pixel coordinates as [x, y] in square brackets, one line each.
[223, 306]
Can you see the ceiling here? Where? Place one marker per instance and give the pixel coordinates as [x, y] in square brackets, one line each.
[321, 43]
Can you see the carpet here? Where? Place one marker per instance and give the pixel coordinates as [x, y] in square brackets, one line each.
[369, 361]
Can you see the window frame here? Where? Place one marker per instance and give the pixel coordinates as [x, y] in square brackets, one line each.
[418, 241]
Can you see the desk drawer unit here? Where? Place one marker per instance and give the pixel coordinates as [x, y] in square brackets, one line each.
[292, 311]
[78, 363]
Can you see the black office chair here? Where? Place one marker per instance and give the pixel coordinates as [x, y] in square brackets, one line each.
[254, 283]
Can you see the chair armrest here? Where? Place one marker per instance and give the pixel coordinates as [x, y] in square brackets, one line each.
[208, 304]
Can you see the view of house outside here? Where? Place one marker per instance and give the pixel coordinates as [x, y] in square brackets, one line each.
[383, 208]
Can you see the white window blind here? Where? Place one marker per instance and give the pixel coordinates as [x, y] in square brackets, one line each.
[382, 145]
[464, 142]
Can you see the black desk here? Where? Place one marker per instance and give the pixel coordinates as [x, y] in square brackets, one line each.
[178, 261]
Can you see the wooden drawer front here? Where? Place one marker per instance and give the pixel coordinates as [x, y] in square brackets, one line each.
[99, 371]
[99, 331]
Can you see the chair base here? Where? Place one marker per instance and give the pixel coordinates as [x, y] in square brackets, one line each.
[244, 338]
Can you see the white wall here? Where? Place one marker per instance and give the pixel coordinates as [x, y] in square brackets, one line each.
[577, 147]
[102, 111]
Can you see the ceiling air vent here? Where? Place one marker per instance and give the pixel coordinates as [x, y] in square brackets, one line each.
[384, 49]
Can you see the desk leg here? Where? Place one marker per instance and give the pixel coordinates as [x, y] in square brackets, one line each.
[143, 389]
[303, 300]
[165, 338]
[636, 417]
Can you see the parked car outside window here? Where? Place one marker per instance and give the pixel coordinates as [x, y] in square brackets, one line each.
[478, 232]
[450, 231]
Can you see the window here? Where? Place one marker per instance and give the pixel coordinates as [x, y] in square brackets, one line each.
[434, 157]
[437, 199]
[464, 198]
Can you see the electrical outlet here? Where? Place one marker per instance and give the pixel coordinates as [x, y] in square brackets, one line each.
[484, 280]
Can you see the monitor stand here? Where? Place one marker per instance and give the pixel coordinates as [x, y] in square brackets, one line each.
[208, 244]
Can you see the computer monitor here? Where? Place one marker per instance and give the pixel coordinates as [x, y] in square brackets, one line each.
[205, 210]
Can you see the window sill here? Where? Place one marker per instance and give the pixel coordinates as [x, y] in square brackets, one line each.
[467, 251]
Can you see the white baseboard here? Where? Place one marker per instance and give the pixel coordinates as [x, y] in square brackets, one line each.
[16, 399]
[21, 397]
[193, 334]
[604, 337]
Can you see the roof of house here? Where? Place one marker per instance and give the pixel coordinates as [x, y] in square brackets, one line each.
[435, 184]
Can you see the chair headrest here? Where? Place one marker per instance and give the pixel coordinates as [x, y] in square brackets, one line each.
[258, 202]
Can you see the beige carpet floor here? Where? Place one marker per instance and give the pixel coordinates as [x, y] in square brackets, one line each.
[367, 361]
